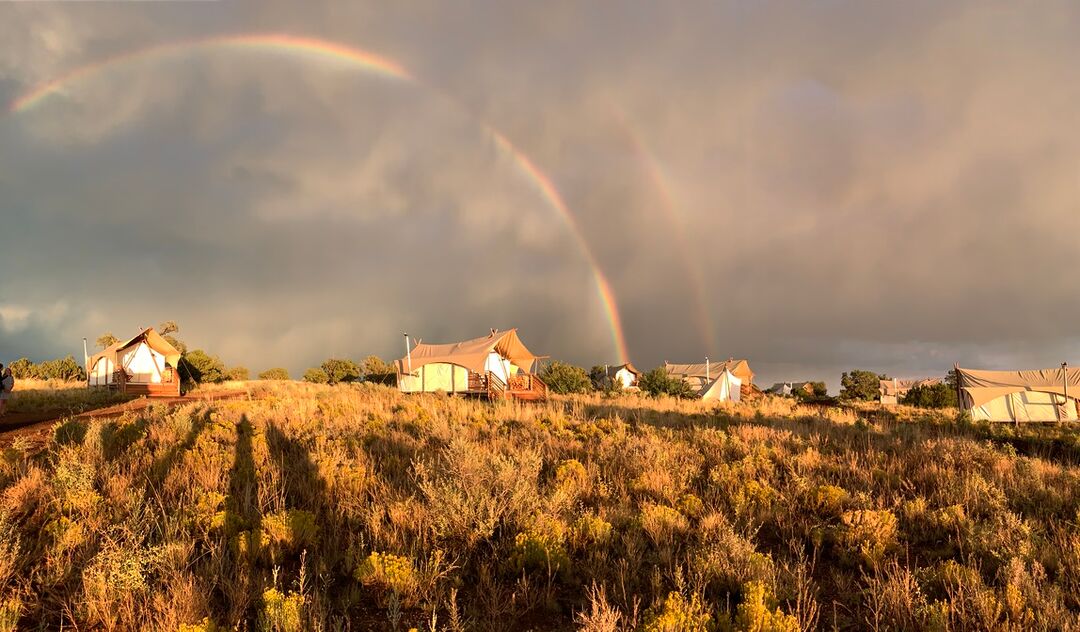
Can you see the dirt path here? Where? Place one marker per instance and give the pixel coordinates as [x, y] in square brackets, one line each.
[15, 425]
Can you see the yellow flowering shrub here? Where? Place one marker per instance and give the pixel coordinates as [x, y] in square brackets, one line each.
[758, 612]
[679, 614]
[870, 533]
[387, 571]
[282, 612]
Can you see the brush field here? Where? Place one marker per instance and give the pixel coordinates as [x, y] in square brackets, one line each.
[355, 507]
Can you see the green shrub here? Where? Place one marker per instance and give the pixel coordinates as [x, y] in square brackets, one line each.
[859, 385]
[931, 396]
[315, 375]
[238, 374]
[277, 373]
[657, 382]
[338, 370]
[202, 368]
[565, 378]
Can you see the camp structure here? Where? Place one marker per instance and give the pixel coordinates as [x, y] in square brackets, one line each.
[790, 389]
[893, 390]
[144, 365]
[1017, 396]
[722, 381]
[496, 366]
[627, 376]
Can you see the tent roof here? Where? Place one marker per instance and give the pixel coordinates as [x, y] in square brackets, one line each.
[629, 367]
[153, 339]
[899, 387]
[984, 386]
[740, 368]
[471, 354]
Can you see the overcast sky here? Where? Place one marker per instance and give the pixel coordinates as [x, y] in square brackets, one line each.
[815, 186]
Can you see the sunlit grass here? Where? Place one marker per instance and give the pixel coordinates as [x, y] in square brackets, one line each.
[306, 507]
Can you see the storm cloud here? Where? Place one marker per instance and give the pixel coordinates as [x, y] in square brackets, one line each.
[892, 186]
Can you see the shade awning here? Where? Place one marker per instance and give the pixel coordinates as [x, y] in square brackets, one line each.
[471, 354]
[980, 387]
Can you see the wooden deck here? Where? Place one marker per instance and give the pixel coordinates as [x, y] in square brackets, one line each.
[523, 386]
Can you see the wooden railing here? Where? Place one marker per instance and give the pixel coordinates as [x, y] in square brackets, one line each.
[494, 387]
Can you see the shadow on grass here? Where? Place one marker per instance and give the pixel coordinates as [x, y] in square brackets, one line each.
[164, 464]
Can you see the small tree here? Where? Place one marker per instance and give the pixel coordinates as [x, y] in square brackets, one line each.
[238, 374]
[377, 371]
[859, 385]
[599, 375]
[66, 369]
[23, 369]
[276, 373]
[106, 339]
[657, 382]
[565, 378]
[931, 396]
[338, 370]
[316, 375]
[203, 368]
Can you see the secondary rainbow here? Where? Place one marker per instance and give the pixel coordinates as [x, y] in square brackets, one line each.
[662, 184]
[332, 51]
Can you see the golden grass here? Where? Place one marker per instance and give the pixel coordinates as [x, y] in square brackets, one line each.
[356, 507]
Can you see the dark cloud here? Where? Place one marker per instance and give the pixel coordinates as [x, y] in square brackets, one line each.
[884, 186]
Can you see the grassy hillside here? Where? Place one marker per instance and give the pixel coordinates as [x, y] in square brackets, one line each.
[358, 508]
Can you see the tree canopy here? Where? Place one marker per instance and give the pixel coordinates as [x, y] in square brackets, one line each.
[563, 378]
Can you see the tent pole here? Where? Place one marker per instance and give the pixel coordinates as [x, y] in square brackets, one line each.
[86, 362]
[408, 351]
[1065, 373]
[959, 399]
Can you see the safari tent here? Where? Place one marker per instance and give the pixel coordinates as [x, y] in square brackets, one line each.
[498, 365]
[722, 381]
[892, 391]
[789, 389]
[144, 365]
[1037, 395]
[627, 375]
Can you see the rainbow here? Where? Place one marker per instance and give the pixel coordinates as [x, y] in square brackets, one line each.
[322, 50]
[662, 184]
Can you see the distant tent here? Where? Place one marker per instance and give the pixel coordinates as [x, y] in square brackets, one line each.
[498, 364]
[698, 374]
[892, 391]
[627, 375]
[144, 365]
[725, 388]
[714, 380]
[788, 389]
[1038, 395]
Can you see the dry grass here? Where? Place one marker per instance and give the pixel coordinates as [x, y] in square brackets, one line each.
[355, 507]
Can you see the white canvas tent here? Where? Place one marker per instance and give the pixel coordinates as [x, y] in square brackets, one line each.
[627, 376]
[1017, 396]
[714, 380]
[496, 362]
[725, 388]
[144, 365]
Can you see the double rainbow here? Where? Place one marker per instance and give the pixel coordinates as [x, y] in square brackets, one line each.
[322, 50]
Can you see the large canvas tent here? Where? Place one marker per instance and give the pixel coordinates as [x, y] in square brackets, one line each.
[144, 365]
[1037, 395]
[627, 375]
[496, 364]
[893, 390]
[714, 380]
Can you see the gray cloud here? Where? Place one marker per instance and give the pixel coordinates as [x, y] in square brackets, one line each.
[889, 186]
